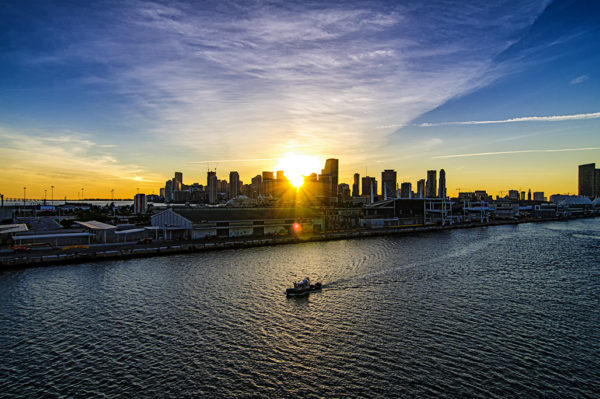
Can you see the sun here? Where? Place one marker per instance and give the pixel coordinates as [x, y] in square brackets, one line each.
[296, 166]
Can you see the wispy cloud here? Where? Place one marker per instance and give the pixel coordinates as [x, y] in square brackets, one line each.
[483, 154]
[64, 159]
[234, 160]
[553, 118]
[266, 76]
[579, 79]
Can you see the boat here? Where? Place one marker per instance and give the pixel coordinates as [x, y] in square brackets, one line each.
[302, 288]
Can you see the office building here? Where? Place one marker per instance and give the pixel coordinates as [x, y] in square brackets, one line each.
[344, 192]
[522, 195]
[406, 190]
[529, 195]
[268, 183]
[234, 184]
[421, 188]
[325, 186]
[356, 185]
[431, 183]
[388, 183]
[539, 196]
[589, 184]
[442, 188]
[211, 185]
[256, 186]
[179, 177]
[513, 194]
[169, 191]
[369, 185]
[332, 169]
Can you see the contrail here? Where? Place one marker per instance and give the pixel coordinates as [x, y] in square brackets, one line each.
[553, 118]
[482, 154]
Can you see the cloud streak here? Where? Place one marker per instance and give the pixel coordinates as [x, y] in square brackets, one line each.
[553, 118]
[483, 154]
[267, 76]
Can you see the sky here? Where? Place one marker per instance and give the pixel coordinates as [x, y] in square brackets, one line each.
[110, 95]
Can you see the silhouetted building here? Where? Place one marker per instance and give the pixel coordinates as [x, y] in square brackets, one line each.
[406, 190]
[325, 184]
[431, 183]
[513, 194]
[234, 184]
[421, 188]
[356, 185]
[588, 186]
[344, 192]
[539, 196]
[168, 191]
[388, 183]
[529, 195]
[522, 195]
[442, 188]
[211, 186]
[268, 183]
[256, 186]
[369, 185]
[331, 169]
[179, 177]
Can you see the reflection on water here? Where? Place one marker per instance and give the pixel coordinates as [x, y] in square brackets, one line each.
[499, 311]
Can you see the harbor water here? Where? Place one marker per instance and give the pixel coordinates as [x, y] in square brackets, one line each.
[504, 311]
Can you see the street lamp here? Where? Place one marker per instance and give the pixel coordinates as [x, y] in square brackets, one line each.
[24, 194]
[52, 187]
[81, 194]
[45, 196]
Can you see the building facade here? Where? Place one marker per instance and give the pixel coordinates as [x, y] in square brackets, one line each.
[388, 183]
[431, 191]
[589, 180]
[442, 188]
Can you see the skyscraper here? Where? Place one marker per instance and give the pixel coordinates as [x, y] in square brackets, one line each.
[442, 188]
[179, 177]
[256, 185]
[587, 180]
[268, 183]
[234, 184]
[388, 183]
[431, 183]
[331, 169]
[421, 188]
[356, 185]
[405, 190]
[211, 185]
[367, 182]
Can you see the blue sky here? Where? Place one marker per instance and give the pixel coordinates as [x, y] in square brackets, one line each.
[107, 94]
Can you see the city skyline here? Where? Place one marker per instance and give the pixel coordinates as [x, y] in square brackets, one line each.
[500, 96]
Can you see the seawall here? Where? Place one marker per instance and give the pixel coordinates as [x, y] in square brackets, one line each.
[163, 248]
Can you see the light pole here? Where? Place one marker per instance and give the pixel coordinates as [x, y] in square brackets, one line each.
[81, 194]
[45, 196]
[52, 187]
[24, 194]
[112, 194]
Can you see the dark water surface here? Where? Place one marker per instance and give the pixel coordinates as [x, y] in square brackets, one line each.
[507, 311]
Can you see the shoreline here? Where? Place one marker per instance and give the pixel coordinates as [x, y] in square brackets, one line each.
[103, 252]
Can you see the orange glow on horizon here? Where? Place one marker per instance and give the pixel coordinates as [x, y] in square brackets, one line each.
[296, 166]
